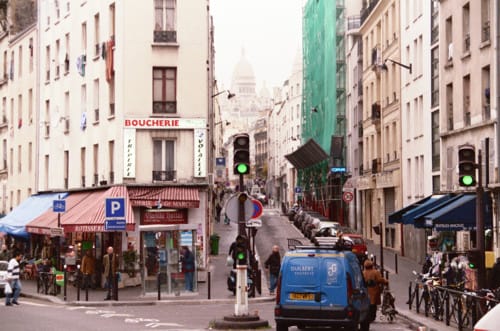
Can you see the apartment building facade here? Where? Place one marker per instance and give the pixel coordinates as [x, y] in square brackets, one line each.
[120, 110]
[380, 184]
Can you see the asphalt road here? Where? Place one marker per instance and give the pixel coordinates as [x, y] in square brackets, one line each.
[44, 316]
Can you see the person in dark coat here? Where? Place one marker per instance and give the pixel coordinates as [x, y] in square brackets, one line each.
[187, 259]
[273, 264]
[373, 280]
[496, 274]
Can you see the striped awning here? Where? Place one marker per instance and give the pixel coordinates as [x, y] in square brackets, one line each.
[167, 197]
[48, 220]
[90, 215]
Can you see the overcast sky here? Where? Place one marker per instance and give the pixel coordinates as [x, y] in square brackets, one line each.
[269, 30]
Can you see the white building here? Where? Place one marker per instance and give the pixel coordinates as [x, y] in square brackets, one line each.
[119, 109]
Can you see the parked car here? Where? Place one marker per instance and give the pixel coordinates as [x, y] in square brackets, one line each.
[358, 246]
[325, 223]
[321, 286]
[489, 321]
[3, 275]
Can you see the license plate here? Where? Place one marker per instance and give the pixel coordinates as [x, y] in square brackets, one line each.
[302, 296]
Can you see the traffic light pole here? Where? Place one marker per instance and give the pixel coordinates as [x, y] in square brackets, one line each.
[481, 274]
[241, 305]
[241, 211]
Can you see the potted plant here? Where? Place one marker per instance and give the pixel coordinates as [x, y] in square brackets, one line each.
[129, 261]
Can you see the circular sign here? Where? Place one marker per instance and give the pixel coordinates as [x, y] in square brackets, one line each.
[257, 208]
[347, 196]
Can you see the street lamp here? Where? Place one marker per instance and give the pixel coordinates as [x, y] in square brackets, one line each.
[384, 66]
[220, 122]
[229, 94]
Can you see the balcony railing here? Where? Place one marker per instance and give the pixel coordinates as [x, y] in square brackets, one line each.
[353, 22]
[365, 12]
[164, 107]
[165, 36]
[485, 35]
[164, 175]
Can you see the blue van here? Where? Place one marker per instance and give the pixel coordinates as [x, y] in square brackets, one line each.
[321, 286]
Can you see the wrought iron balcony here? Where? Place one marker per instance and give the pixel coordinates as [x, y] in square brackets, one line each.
[164, 175]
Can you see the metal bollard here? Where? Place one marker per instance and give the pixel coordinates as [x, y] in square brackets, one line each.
[208, 284]
[115, 288]
[396, 263]
[158, 285]
[65, 281]
[78, 282]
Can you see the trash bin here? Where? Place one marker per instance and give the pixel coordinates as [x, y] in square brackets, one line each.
[214, 244]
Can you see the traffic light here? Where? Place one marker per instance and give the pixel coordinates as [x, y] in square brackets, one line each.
[241, 156]
[242, 251]
[474, 257]
[466, 165]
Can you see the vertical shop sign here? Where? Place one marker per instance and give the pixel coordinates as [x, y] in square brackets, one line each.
[129, 153]
[200, 143]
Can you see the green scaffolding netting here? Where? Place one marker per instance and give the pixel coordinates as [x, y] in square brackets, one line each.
[323, 108]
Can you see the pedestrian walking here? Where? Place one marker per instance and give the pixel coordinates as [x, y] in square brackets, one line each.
[110, 266]
[187, 259]
[273, 264]
[218, 210]
[13, 272]
[373, 280]
[88, 269]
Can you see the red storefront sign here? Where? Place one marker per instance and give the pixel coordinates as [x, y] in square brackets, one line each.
[158, 216]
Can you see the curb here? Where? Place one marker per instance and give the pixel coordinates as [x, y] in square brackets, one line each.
[57, 300]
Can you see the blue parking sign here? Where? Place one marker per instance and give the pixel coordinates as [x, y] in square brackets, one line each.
[59, 206]
[115, 208]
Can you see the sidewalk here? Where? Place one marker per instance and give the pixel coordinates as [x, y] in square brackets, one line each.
[216, 282]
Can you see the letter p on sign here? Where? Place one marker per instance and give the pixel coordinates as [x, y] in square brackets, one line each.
[115, 208]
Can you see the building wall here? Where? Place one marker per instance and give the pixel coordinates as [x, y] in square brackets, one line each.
[135, 55]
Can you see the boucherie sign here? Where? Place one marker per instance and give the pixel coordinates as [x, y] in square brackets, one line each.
[159, 216]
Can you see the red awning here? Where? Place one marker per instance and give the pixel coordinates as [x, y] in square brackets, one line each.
[169, 197]
[90, 214]
[48, 220]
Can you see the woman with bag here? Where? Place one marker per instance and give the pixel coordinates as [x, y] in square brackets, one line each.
[373, 280]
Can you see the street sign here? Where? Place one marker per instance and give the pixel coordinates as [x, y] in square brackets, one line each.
[59, 206]
[232, 206]
[348, 186]
[56, 232]
[115, 225]
[254, 223]
[338, 169]
[347, 196]
[257, 208]
[298, 189]
[115, 208]
[220, 162]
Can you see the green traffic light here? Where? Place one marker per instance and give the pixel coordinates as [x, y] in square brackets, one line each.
[467, 180]
[242, 168]
[472, 265]
[240, 256]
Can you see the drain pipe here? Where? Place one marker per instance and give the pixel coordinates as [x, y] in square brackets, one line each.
[497, 129]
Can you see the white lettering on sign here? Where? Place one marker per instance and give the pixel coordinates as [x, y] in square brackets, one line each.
[115, 205]
[129, 153]
[200, 158]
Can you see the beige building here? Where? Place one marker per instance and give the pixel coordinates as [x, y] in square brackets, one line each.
[110, 99]
[380, 182]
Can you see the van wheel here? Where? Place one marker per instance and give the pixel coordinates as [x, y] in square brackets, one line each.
[281, 327]
[364, 326]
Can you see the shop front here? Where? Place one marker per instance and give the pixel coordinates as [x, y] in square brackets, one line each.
[164, 235]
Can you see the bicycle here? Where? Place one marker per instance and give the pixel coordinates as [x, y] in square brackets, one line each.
[388, 308]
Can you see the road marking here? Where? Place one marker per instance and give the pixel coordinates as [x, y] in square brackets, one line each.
[155, 325]
[116, 315]
[139, 319]
[97, 312]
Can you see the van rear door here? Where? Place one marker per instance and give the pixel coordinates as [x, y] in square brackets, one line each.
[301, 281]
[333, 281]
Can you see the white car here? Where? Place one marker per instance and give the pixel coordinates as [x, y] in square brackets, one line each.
[3, 273]
[489, 322]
